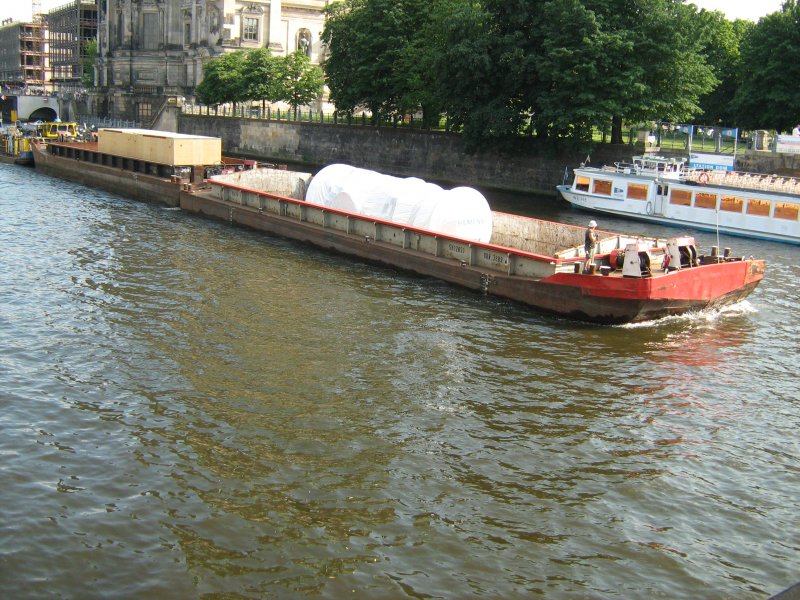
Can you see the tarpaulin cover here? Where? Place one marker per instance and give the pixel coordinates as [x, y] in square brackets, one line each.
[461, 212]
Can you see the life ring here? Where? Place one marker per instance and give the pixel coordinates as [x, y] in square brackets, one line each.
[703, 178]
[649, 208]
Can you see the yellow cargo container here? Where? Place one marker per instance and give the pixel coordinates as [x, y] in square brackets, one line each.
[160, 147]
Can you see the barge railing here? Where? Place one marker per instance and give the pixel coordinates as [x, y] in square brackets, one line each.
[489, 256]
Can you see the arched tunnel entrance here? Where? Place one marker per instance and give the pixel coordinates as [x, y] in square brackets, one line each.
[44, 113]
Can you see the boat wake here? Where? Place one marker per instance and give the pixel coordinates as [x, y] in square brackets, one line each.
[743, 307]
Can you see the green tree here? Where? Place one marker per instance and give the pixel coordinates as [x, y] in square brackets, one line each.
[262, 75]
[223, 79]
[369, 43]
[301, 82]
[485, 66]
[721, 40]
[89, 60]
[617, 61]
[767, 96]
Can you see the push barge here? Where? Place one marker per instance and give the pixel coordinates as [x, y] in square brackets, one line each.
[538, 263]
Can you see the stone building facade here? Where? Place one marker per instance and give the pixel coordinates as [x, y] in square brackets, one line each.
[150, 50]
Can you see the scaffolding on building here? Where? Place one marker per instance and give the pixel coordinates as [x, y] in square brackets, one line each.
[71, 29]
[23, 55]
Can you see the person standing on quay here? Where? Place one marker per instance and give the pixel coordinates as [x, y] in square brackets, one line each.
[590, 244]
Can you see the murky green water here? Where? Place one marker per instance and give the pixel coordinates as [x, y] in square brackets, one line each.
[193, 410]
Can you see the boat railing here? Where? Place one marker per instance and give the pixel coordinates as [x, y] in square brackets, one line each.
[667, 170]
[753, 181]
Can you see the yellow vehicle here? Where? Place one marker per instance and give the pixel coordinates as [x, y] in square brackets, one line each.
[58, 131]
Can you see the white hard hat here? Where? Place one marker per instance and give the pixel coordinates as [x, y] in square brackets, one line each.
[592, 223]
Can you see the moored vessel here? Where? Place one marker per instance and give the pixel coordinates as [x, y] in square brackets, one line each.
[663, 190]
[15, 147]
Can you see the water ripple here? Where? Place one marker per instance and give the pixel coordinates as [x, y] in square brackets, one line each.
[235, 415]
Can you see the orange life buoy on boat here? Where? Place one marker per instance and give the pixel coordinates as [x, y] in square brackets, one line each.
[703, 179]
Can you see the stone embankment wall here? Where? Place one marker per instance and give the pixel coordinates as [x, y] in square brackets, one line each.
[768, 162]
[434, 156]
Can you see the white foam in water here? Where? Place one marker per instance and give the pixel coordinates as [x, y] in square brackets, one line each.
[743, 307]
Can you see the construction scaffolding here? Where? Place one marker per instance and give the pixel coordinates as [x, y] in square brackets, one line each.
[23, 55]
[71, 28]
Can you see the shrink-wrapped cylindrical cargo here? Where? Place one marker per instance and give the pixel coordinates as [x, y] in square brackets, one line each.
[461, 212]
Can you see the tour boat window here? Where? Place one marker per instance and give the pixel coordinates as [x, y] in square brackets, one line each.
[705, 200]
[785, 210]
[582, 184]
[758, 207]
[681, 197]
[602, 186]
[637, 191]
[731, 204]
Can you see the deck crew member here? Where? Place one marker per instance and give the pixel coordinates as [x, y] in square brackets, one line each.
[590, 243]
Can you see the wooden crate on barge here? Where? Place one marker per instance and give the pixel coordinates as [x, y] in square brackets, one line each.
[160, 147]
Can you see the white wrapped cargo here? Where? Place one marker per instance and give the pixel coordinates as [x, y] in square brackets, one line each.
[411, 194]
[461, 212]
[352, 189]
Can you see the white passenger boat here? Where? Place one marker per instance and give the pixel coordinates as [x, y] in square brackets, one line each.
[663, 190]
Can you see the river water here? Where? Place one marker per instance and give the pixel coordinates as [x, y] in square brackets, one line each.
[192, 410]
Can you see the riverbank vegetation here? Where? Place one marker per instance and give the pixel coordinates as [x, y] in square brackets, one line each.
[248, 75]
[561, 68]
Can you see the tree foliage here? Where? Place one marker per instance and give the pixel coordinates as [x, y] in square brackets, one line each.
[767, 96]
[258, 75]
[262, 75]
[370, 42]
[721, 41]
[223, 79]
[498, 68]
[301, 82]
[485, 67]
[606, 61]
[89, 61]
